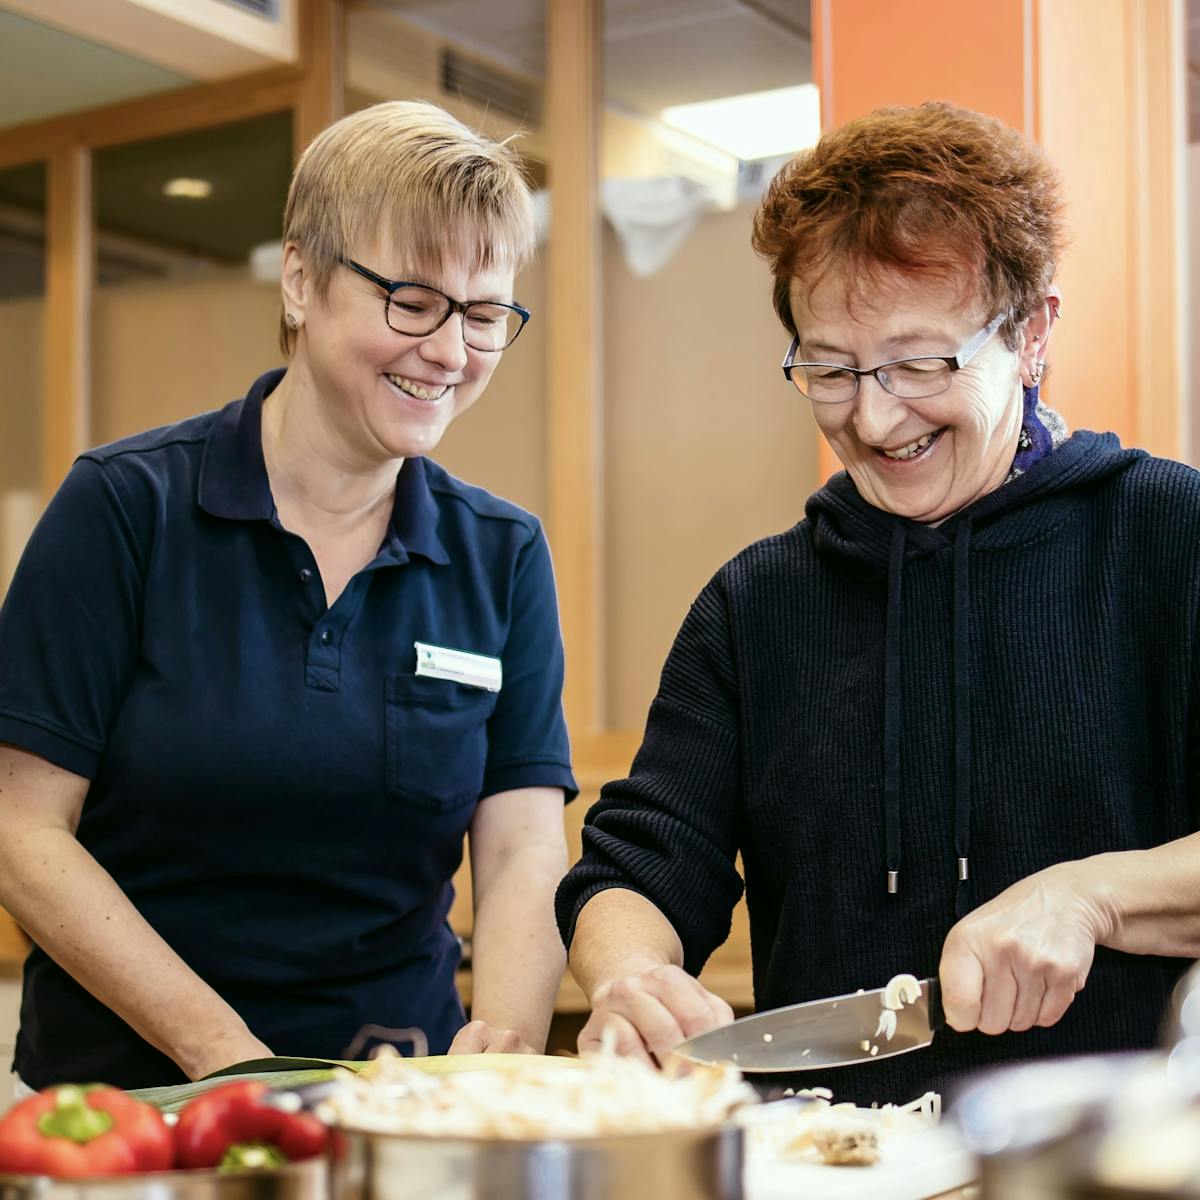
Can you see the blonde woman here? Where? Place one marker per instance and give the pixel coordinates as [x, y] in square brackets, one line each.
[262, 670]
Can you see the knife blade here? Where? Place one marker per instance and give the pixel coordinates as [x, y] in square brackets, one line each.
[834, 1032]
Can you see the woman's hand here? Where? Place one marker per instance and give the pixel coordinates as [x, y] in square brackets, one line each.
[242, 1048]
[1018, 960]
[651, 1012]
[478, 1037]
[518, 855]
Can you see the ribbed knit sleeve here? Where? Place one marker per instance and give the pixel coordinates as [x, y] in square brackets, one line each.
[670, 831]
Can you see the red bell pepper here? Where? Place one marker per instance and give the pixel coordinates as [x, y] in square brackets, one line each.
[233, 1128]
[72, 1131]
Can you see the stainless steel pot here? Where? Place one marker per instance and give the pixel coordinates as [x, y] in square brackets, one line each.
[1115, 1127]
[296, 1181]
[693, 1165]
[1036, 1127]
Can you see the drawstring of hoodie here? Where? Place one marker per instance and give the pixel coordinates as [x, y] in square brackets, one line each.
[962, 709]
[893, 708]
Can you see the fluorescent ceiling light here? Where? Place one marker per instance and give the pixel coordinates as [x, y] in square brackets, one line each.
[755, 125]
[188, 189]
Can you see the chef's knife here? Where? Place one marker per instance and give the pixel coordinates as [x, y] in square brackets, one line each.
[820, 1033]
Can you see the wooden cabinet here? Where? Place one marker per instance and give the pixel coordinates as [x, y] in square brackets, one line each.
[12, 943]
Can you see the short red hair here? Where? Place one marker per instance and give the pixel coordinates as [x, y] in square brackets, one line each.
[934, 192]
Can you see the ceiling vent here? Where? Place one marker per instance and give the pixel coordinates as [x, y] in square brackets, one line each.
[268, 9]
[492, 90]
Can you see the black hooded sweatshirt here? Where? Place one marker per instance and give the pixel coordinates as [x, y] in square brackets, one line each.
[863, 694]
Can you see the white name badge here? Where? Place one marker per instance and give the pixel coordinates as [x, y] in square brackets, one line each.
[475, 670]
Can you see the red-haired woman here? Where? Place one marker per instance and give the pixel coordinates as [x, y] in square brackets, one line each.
[949, 720]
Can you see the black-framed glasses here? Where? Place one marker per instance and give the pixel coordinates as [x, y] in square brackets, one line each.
[907, 378]
[417, 310]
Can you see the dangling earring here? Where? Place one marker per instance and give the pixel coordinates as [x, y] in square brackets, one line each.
[1035, 372]
[292, 323]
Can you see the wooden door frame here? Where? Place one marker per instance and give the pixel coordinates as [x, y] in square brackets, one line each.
[311, 90]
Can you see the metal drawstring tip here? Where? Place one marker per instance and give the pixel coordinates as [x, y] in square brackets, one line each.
[893, 882]
[964, 871]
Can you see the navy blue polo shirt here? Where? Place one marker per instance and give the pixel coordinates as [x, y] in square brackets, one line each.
[273, 786]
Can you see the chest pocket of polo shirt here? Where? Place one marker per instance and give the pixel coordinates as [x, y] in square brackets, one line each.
[436, 740]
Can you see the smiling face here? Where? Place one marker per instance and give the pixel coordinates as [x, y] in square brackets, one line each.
[922, 459]
[385, 395]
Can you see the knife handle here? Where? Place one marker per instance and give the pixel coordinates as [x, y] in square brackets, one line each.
[933, 994]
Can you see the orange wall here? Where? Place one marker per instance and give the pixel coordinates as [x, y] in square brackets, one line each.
[868, 53]
[1085, 130]
[1097, 83]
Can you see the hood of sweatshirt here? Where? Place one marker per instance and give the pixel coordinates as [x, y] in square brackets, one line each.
[872, 544]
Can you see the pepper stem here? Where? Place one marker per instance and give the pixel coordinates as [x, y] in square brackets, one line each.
[252, 1156]
[73, 1118]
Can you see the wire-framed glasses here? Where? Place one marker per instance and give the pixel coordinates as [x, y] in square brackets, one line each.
[908, 378]
[417, 310]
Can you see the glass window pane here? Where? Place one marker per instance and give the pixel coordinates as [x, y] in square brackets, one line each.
[22, 303]
[186, 310]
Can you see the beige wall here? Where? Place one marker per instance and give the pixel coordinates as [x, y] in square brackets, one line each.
[706, 448]
[21, 396]
[165, 351]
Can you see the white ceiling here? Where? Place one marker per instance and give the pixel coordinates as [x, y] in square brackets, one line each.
[656, 52]
[45, 72]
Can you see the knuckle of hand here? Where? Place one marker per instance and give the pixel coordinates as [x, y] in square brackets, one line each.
[1011, 949]
[960, 1003]
[624, 990]
[664, 971]
[961, 1006]
[592, 1029]
[1062, 974]
[958, 938]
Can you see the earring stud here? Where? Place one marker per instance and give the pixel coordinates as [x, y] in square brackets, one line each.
[292, 322]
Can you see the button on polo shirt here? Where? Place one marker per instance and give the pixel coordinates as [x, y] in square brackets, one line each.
[272, 785]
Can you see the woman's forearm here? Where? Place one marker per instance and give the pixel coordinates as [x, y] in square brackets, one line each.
[75, 911]
[517, 957]
[1149, 900]
[620, 933]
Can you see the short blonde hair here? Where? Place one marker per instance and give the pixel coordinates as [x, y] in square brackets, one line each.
[445, 192]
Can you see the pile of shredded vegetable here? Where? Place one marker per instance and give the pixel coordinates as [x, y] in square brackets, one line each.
[602, 1094]
[817, 1130]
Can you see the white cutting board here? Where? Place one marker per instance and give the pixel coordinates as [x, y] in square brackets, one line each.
[912, 1166]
